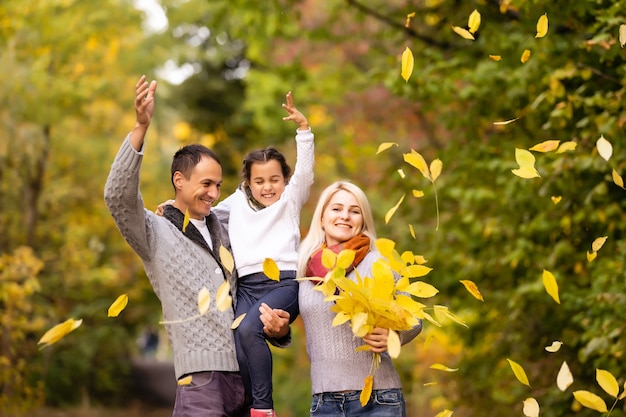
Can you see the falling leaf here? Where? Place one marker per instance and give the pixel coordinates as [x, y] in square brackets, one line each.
[393, 344]
[223, 299]
[506, 122]
[621, 397]
[417, 160]
[519, 372]
[567, 146]
[57, 332]
[598, 243]
[443, 312]
[525, 56]
[418, 193]
[204, 300]
[392, 210]
[237, 321]
[605, 149]
[552, 288]
[495, 57]
[556, 199]
[412, 231]
[526, 161]
[464, 33]
[401, 173]
[622, 35]
[473, 23]
[554, 347]
[591, 256]
[368, 384]
[441, 367]
[384, 146]
[590, 400]
[546, 146]
[435, 169]
[444, 413]
[407, 64]
[564, 378]
[271, 269]
[617, 179]
[118, 305]
[531, 407]
[473, 289]
[186, 220]
[408, 19]
[542, 26]
[185, 381]
[607, 382]
[227, 259]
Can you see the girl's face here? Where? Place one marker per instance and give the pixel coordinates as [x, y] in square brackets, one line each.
[342, 218]
[267, 182]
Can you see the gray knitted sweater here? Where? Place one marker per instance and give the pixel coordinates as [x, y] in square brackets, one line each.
[178, 266]
[335, 366]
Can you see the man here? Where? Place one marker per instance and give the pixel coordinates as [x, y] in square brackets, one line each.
[180, 259]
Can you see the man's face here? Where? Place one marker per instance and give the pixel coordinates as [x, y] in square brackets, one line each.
[198, 193]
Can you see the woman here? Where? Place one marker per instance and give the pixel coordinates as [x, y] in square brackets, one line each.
[343, 220]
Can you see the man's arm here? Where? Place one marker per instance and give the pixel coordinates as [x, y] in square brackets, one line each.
[144, 109]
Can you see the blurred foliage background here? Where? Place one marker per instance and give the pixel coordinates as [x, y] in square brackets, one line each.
[66, 90]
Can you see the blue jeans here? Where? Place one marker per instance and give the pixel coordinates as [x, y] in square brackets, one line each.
[253, 353]
[382, 403]
[212, 394]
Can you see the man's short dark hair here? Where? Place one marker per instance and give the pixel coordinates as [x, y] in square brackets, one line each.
[187, 157]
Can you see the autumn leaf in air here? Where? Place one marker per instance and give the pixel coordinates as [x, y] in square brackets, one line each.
[472, 289]
[186, 220]
[441, 367]
[531, 407]
[185, 381]
[590, 400]
[384, 146]
[604, 147]
[118, 305]
[526, 162]
[393, 344]
[551, 286]
[567, 146]
[473, 23]
[237, 321]
[525, 56]
[554, 347]
[227, 259]
[546, 146]
[204, 300]
[223, 299]
[464, 33]
[270, 269]
[607, 382]
[431, 173]
[495, 58]
[591, 256]
[407, 64]
[392, 210]
[556, 199]
[519, 372]
[622, 35]
[368, 384]
[598, 243]
[59, 331]
[542, 26]
[564, 378]
[617, 179]
[445, 413]
[505, 122]
[412, 231]
[408, 19]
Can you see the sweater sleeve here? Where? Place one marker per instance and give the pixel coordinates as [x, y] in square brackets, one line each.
[303, 174]
[222, 210]
[124, 201]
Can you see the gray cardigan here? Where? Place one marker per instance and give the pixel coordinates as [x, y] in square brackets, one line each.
[335, 366]
[178, 266]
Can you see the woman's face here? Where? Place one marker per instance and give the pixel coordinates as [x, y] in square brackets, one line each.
[342, 218]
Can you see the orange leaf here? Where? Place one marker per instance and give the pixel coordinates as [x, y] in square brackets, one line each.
[525, 56]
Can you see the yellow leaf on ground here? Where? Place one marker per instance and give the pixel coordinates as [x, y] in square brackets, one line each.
[227, 259]
[519, 372]
[186, 220]
[392, 210]
[464, 33]
[185, 381]
[590, 400]
[531, 407]
[604, 147]
[223, 299]
[384, 146]
[204, 300]
[564, 378]
[617, 179]
[57, 332]
[270, 269]
[473, 23]
[238, 321]
[407, 64]
[441, 367]
[393, 344]
[118, 305]
[472, 288]
[366, 392]
[525, 56]
[554, 347]
[542, 26]
[607, 382]
[552, 288]
[598, 243]
[546, 146]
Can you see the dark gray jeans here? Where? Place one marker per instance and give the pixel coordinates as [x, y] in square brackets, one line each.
[212, 394]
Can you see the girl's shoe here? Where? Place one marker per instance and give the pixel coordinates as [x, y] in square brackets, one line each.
[262, 413]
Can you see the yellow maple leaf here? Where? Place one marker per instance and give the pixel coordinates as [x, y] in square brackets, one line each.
[407, 64]
[59, 331]
[392, 210]
[473, 22]
[590, 400]
[472, 288]
[223, 299]
[519, 372]
[204, 300]
[118, 305]
[542, 26]
[270, 269]
[525, 56]
[552, 288]
[227, 259]
[464, 33]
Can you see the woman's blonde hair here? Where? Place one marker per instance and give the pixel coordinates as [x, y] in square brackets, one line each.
[316, 235]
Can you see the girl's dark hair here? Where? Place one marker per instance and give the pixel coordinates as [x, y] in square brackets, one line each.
[187, 157]
[264, 155]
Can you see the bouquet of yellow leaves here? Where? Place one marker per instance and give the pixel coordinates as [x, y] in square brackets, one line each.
[379, 300]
